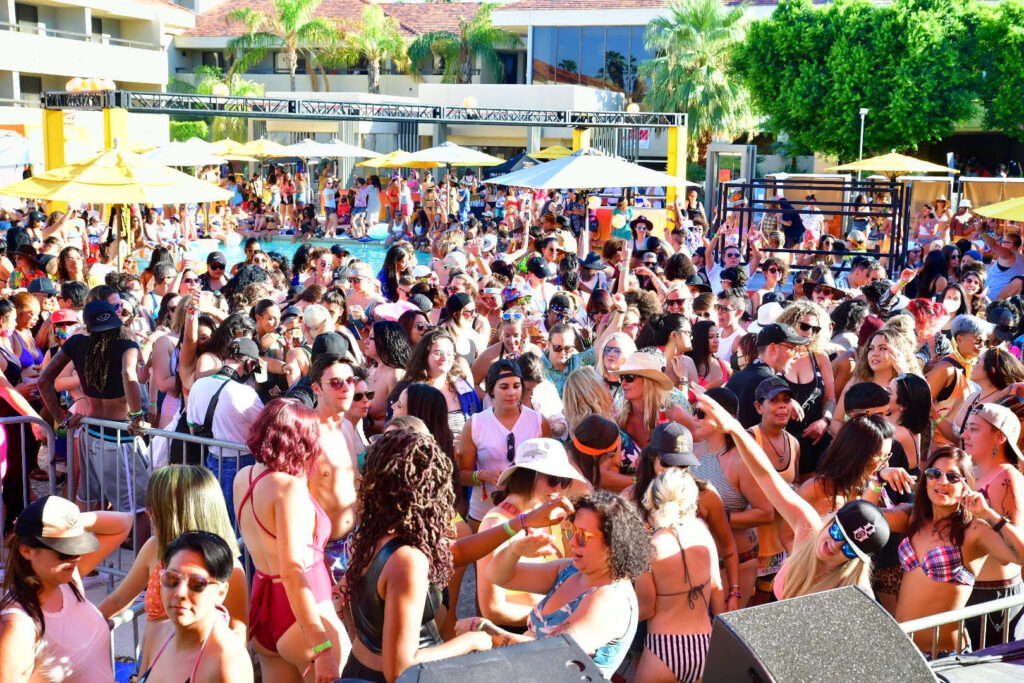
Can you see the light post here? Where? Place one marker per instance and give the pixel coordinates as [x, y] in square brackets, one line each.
[860, 153]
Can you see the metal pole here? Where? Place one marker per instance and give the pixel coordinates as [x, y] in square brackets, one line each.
[860, 153]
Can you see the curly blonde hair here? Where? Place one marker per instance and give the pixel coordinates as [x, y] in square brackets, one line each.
[798, 310]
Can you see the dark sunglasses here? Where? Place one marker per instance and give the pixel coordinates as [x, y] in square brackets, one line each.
[358, 396]
[63, 557]
[217, 266]
[628, 378]
[734, 254]
[559, 348]
[337, 383]
[420, 327]
[190, 280]
[934, 474]
[559, 482]
[510, 443]
[723, 307]
[836, 534]
[172, 579]
[772, 270]
[807, 327]
[675, 302]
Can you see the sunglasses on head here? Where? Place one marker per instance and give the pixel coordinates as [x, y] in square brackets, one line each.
[807, 327]
[359, 395]
[196, 584]
[337, 383]
[581, 536]
[934, 474]
[836, 534]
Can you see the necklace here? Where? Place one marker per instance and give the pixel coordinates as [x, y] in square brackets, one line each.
[782, 460]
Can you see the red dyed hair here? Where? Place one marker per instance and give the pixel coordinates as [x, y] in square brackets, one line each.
[285, 437]
[924, 310]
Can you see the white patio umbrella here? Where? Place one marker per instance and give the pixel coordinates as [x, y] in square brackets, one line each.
[191, 152]
[307, 149]
[587, 169]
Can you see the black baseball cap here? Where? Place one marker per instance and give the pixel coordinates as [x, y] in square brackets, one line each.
[780, 333]
[674, 445]
[338, 250]
[331, 342]
[864, 527]
[538, 267]
[771, 387]
[291, 312]
[244, 346]
[101, 316]
[217, 257]
[42, 285]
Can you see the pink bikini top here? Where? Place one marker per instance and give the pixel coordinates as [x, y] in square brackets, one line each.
[944, 563]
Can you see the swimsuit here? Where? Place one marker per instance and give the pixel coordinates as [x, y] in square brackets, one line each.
[270, 613]
[683, 653]
[195, 667]
[944, 563]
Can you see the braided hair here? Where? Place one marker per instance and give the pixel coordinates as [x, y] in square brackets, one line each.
[100, 358]
[406, 490]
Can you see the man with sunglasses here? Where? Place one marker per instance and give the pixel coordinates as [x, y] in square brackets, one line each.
[731, 258]
[223, 406]
[334, 477]
[215, 277]
[776, 346]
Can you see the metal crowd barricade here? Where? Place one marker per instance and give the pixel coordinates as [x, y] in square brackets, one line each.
[112, 468]
[959, 616]
[23, 423]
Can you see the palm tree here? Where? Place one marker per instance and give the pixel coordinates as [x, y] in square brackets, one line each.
[292, 28]
[203, 81]
[477, 37]
[377, 38]
[691, 71]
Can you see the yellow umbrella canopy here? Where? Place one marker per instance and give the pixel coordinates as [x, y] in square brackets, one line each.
[117, 176]
[553, 152]
[893, 164]
[1008, 210]
[262, 149]
[396, 159]
[226, 148]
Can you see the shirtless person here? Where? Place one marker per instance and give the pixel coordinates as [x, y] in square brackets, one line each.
[334, 479]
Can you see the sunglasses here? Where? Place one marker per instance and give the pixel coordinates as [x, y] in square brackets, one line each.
[63, 557]
[559, 482]
[358, 396]
[190, 280]
[581, 536]
[420, 327]
[674, 302]
[512, 316]
[836, 534]
[733, 255]
[628, 378]
[559, 348]
[724, 308]
[216, 266]
[172, 579]
[934, 474]
[773, 271]
[807, 327]
[337, 383]
[510, 443]
[612, 351]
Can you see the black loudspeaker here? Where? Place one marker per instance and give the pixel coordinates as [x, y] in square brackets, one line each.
[547, 660]
[835, 636]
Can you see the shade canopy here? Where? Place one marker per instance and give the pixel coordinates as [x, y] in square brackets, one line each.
[117, 176]
[894, 164]
[262, 149]
[450, 154]
[336, 149]
[553, 152]
[521, 160]
[1008, 210]
[396, 159]
[586, 169]
[191, 152]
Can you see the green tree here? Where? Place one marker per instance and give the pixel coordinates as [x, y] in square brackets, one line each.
[692, 69]
[377, 38]
[811, 70]
[1001, 57]
[291, 28]
[202, 81]
[477, 38]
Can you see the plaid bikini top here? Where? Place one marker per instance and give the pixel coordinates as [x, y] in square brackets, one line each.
[944, 563]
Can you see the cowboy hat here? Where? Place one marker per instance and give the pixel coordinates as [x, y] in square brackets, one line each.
[645, 365]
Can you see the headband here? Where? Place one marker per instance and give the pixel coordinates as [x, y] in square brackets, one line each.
[587, 450]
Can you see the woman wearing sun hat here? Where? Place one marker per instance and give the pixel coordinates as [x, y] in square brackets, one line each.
[48, 629]
[646, 400]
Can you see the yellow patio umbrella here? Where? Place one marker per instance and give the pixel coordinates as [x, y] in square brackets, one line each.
[396, 159]
[117, 176]
[262, 149]
[1007, 210]
[553, 152]
[893, 164]
[226, 148]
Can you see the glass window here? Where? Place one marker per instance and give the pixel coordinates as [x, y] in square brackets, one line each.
[616, 57]
[592, 57]
[568, 65]
[638, 54]
[543, 55]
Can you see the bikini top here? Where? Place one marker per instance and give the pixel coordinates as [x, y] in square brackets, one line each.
[222, 611]
[693, 592]
[321, 529]
[944, 563]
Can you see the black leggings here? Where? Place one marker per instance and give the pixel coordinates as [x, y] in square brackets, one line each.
[357, 671]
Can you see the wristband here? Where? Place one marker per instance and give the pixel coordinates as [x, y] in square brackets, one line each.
[998, 526]
[522, 523]
[874, 486]
[322, 647]
[476, 478]
[479, 625]
[132, 414]
[508, 529]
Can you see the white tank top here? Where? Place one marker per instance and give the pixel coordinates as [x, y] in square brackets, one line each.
[491, 440]
[76, 645]
[725, 345]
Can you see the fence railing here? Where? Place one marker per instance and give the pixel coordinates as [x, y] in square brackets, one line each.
[959, 616]
[20, 460]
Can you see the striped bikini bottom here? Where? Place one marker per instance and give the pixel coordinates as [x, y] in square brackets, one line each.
[683, 653]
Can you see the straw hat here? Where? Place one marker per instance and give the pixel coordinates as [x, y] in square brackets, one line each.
[645, 365]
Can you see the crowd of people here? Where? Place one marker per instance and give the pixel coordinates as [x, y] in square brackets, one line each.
[623, 443]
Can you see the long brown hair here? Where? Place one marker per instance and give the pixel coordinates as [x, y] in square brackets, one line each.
[22, 586]
[954, 527]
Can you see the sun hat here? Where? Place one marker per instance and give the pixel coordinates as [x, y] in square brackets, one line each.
[966, 203]
[674, 445]
[645, 365]
[1002, 420]
[864, 527]
[56, 523]
[489, 242]
[766, 315]
[695, 282]
[821, 276]
[100, 316]
[542, 455]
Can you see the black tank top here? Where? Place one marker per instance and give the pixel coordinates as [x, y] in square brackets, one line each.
[368, 610]
[13, 370]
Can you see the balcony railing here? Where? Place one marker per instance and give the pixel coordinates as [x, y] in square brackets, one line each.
[29, 102]
[100, 38]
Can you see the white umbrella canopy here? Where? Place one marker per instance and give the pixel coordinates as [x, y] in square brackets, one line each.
[306, 149]
[450, 154]
[337, 149]
[585, 169]
[191, 152]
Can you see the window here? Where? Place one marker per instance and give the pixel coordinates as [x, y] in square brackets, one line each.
[281, 63]
[543, 55]
[97, 26]
[616, 57]
[568, 65]
[216, 59]
[592, 57]
[638, 54]
[30, 86]
[26, 14]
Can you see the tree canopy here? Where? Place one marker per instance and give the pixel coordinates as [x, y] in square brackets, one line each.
[477, 37]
